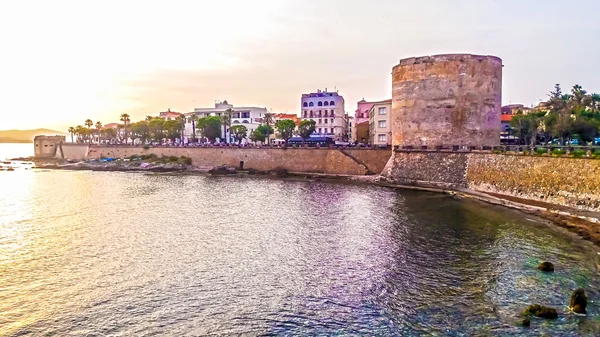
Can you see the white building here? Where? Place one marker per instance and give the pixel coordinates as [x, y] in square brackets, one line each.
[327, 110]
[250, 117]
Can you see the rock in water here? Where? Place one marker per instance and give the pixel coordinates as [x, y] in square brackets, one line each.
[526, 321]
[579, 301]
[540, 311]
[546, 266]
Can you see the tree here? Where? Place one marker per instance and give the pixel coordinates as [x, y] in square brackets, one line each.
[210, 127]
[306, 128]
[525, 127]
[98, 129]
[182, 120]
[193, 119]
[268, 122]
[89, 123]
[157, 128]
[79, 132]
[109, 134]
[172, 129]
[286, 128]
[226, 120]
[595, 103]
[141, 131]
[126, 120]
[239, 132]
[72, 132]
[257, 136]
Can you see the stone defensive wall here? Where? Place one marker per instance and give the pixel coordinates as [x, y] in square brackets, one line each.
[566, 181]
[348, 161]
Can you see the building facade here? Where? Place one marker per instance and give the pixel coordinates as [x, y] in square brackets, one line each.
[361, 116]
[380, 129]
[326, 108]
[250, 117]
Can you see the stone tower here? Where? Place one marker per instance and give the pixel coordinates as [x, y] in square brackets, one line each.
[447, 100]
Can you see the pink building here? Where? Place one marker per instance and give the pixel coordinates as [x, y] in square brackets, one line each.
[361, 115]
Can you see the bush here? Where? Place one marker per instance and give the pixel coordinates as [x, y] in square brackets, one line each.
[558, 152]
[186, 160]
[541, 150]
[579, 153]
[596, 153]
[146, 147]
[173, 159]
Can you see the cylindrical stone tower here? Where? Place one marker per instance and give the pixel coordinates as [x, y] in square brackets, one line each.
[447, 100]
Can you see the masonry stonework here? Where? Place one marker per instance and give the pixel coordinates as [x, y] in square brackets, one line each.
[446, 100]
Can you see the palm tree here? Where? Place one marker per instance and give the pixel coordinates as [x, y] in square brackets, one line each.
[72, 132]
[192, 119]
[88, 123]
[98, 129]
[226, 120]
[268, 121]
[125, 119]
[79, 132]
[182, 120]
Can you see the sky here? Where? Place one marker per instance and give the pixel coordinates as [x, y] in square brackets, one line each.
[62, 61]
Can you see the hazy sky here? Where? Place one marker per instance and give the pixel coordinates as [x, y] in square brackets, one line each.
[64, 61]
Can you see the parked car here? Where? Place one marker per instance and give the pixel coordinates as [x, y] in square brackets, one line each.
[597, 141]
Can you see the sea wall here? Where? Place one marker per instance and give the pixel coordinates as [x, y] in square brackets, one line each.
[572, 182]
[309, 160]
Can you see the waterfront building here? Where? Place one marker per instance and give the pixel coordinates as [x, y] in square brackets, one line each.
[349, 127]
[327, 109]
[361, 116]
[170, 115]
[380, 130]
[250, 117]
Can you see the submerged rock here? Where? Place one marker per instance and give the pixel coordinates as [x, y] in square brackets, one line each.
[540, 311]
[526, 321]
[223, 170]
[546, 266]
[579, 301]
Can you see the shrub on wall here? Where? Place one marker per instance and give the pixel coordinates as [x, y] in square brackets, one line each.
[558, 152]
[146, 147]
[578, 153]
[541, 150]
[596, 154]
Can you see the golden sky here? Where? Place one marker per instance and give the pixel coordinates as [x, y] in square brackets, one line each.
[64, 61]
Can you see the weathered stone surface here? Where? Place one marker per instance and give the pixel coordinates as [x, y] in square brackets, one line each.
[573, 182]
[452, 99]
[579, 301]
[309, 160]
[429, 169]
[546, 266]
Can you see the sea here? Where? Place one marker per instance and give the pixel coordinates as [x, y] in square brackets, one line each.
[133, 254]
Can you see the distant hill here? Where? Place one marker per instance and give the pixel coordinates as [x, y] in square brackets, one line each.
[26, 136]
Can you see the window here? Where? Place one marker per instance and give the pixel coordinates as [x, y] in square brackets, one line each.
[320, 114]
[319, 130]
[326, 103]
[311, 113]
[325, 120]
[320, 104]
[381, 124]
[245, 122]
[310, 104]
[319, 120]
[382, 138]
[305, 114]
[383, 111]
[245, 115]
[332, 114]
[305, 104]
[332, 103]
[236, 122]
[332, 121]
[325, 130]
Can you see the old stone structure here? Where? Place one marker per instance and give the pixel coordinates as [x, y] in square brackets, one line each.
[46, 146]
[452, 99]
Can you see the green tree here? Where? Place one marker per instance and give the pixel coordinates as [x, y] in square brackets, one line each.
[595, 103]
[126, 121]
[239, 132]
[286, 128]
[525, 127]
[268, 121]
[157, 128]
[193, 119]
[98, 129]
[172, 129]
[257, 136]
[141, 131]
[306, 128]
[72, 132]
[210, 127]
[109, 134]
[182, 120]
[226, 120]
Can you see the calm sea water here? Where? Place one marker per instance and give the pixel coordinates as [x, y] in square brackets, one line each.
[131, 254]
[10, 150]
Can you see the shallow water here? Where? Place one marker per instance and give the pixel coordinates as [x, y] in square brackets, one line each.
[107, 253]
